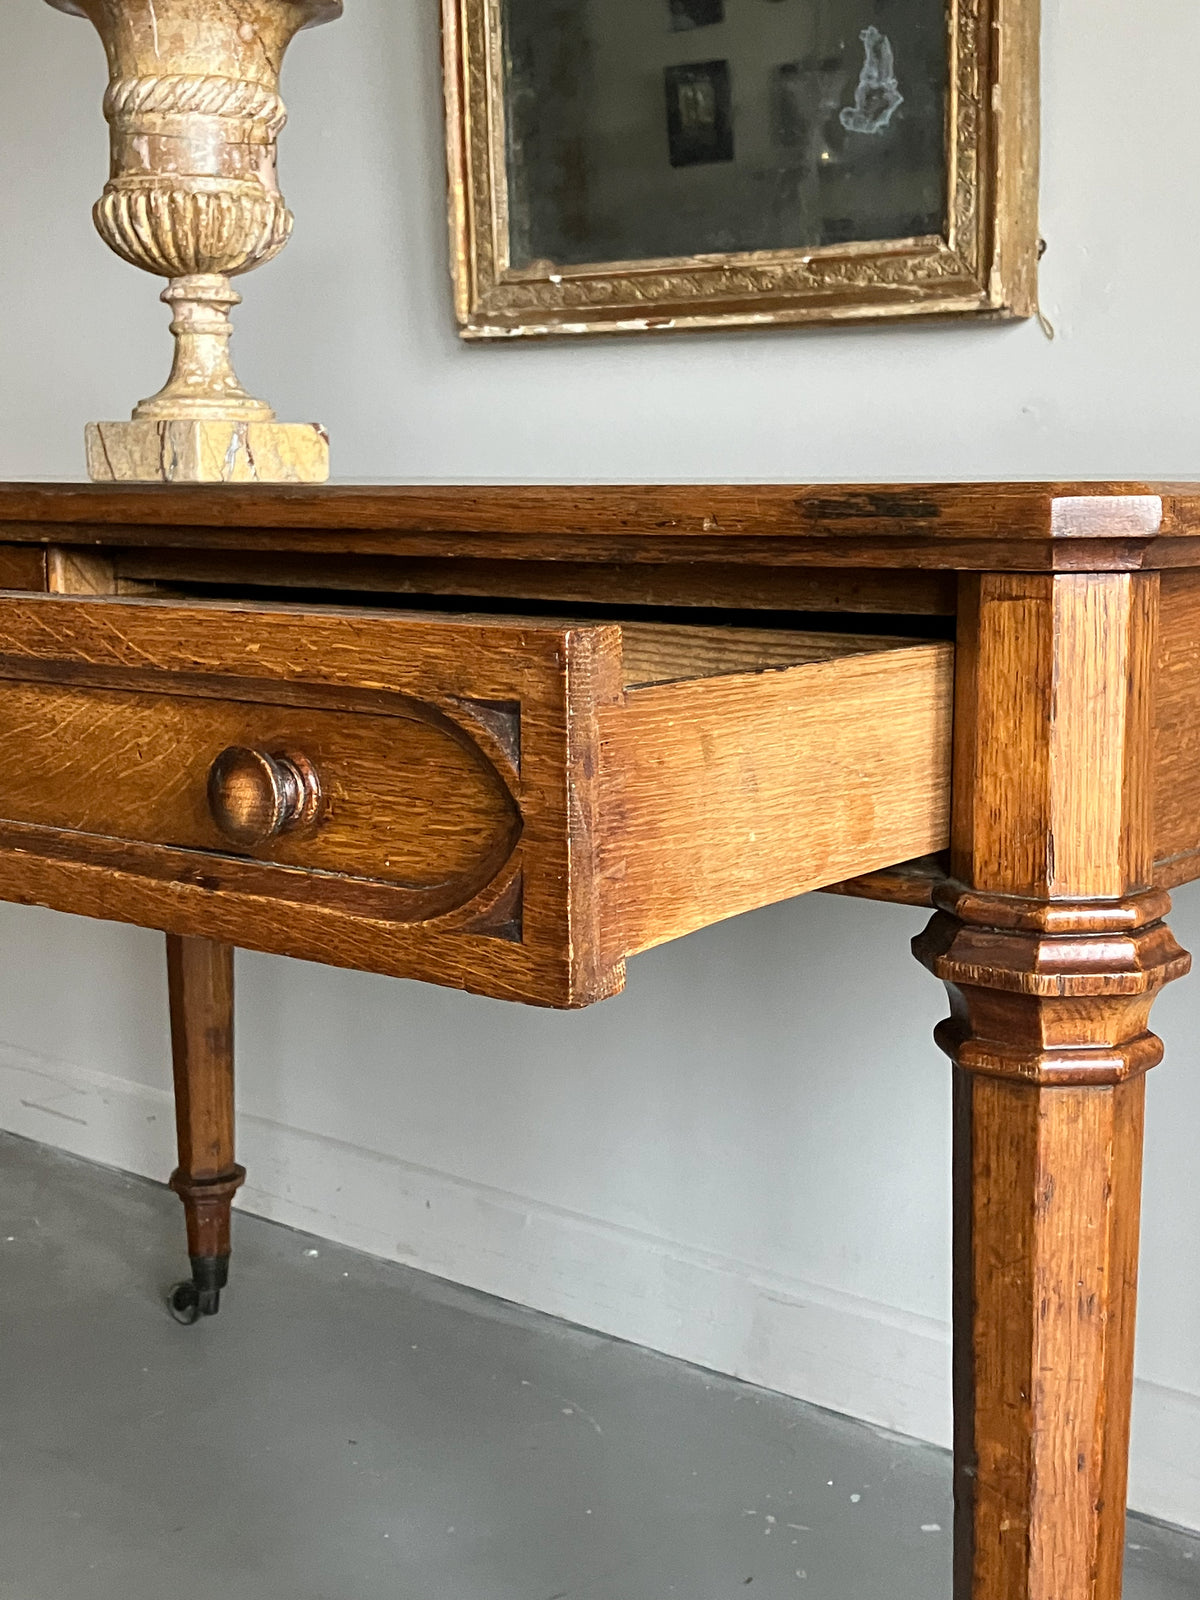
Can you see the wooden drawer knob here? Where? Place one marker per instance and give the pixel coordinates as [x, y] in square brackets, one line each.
[254, 796]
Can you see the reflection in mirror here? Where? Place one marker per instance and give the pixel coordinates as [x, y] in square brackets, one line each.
[648, 129]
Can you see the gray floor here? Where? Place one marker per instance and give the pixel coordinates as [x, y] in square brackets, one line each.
[350, 1430]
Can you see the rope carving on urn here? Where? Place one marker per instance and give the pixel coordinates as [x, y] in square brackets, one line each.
[194, 116]
[208, 96]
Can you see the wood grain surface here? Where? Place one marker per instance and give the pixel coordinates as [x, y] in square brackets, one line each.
[22, 567]
[720, 585]
[734, 792]
[669, 652]
[907, 883]
[406, 712]
[1051, 941]
[498, 810]
[407, 799]
[1177, 789]
[1052, 731]
[1048, 1186]
[1042, 526]
[71, 569]
[200, 985]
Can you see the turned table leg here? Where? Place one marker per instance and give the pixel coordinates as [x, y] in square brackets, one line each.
[1052, 943]
[200, 978]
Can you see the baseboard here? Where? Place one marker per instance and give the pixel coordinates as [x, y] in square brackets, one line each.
[850, 1355]
[1164, 1478]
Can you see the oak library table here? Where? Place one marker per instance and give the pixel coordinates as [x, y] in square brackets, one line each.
[503, 738]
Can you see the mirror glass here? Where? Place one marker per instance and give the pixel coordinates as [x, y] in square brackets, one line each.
[647, 129]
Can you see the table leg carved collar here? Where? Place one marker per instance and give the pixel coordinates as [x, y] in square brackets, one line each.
[491, 797]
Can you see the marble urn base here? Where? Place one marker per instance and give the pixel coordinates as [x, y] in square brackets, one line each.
[146, 451]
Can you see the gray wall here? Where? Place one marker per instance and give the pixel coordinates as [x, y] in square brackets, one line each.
[744, 1159]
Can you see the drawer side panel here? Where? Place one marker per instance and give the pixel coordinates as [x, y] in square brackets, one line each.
[732, 793]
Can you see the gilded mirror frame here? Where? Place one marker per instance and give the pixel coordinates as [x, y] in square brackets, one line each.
[984, 265]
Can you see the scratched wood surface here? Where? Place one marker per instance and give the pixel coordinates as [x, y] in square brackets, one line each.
[1049, 1181]
[1043, 526]
[1176, 798]
[1055, 734]
[1050, 937]
[720, 585]
[200, 988]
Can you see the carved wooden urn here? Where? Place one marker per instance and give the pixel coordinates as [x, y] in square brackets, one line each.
[194, 112]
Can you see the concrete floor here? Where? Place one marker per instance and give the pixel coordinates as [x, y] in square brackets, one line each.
[352, 1430]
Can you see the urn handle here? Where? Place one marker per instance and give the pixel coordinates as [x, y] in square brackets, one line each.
[254, 796]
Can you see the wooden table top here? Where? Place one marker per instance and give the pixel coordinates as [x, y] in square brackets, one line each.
[963, 526]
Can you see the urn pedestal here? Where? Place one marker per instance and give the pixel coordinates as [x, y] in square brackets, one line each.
[194, 113]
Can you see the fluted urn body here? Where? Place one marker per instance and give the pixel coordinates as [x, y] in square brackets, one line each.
[194, 113]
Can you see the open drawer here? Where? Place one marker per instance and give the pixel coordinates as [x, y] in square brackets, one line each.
[506, 805]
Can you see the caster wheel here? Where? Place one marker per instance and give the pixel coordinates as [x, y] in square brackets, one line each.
[183, 1302]
[200, 1295]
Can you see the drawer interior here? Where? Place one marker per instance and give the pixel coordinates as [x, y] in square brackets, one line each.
[664, 652]
[510, 804]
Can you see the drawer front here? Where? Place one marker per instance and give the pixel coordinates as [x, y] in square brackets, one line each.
[503, 805]
[409, 800]
[451, 757]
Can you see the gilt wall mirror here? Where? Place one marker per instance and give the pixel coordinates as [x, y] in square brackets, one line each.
[651, 164]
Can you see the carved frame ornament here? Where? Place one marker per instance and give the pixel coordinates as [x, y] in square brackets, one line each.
[984, 265]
